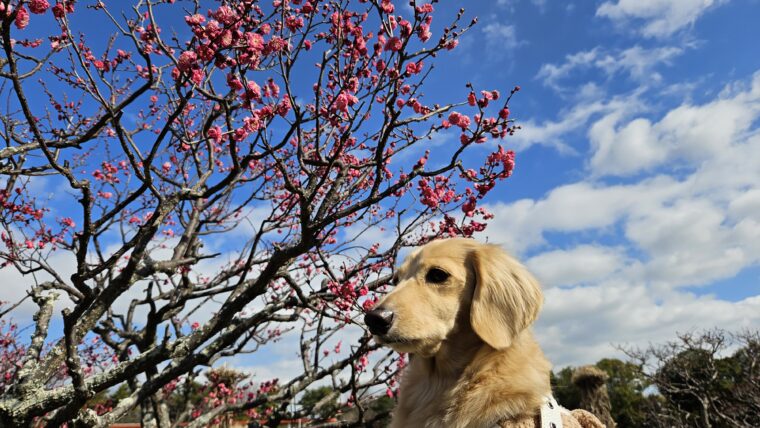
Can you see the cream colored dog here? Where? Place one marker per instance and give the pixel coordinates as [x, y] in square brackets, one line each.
[462, 310]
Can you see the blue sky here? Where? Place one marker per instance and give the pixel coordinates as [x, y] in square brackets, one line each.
[635, 198]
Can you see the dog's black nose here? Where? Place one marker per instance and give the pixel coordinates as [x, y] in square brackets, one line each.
[379, 321]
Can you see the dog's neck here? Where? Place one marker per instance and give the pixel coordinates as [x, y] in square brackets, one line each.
[464, 379]
[453, 356]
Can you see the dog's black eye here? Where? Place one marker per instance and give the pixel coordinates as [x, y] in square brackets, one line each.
[436, 276]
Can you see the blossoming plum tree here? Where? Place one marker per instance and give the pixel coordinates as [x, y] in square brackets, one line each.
[187, 181]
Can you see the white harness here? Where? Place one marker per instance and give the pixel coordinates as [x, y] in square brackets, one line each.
[551, 416]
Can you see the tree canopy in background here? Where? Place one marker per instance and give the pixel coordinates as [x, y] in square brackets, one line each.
[708, 379]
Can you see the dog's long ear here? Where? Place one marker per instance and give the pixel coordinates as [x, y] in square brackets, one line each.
[507, 297]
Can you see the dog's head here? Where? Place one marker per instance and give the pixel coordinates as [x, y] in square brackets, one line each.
[451, 285]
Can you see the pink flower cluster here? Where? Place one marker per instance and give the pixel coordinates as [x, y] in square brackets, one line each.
[39, 6]
[457, 119]
[440, 192]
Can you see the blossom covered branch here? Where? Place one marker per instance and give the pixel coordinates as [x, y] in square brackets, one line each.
[229, 175]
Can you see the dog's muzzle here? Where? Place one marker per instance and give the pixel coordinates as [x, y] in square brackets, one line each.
[379, 321]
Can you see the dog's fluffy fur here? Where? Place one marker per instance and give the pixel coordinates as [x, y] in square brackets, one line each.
[473, 359]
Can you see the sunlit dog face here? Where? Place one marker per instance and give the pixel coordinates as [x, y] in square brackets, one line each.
[448, 286]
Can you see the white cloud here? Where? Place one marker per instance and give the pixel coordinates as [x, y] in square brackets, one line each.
[554, 133]
[577, 207]
[686, 235]
[584, 324]
[693, 133]
[282, 369]
[637, 62]
[540, 4]
[16, 286]
[691, 243]
[624, 151]
[660, 18]
[627, 255]
[500, 37]
[551, 73]
[584, 263]
[746, 206]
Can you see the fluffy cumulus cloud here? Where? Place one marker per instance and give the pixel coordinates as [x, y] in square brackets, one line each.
[16, 286]
[557, 132]
[623, 263]
[692, 133]
[580, 207]
[562, 267]
[639, 290]
[660, 18]
[584, 324]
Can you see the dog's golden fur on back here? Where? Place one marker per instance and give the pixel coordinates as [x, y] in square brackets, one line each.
[462, 310]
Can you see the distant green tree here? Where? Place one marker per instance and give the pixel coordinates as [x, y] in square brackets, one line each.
[702, 387]
[381, 409]
[121, 393]
[321, 402]
[626, 385]
[692, 382]
[565, 392]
